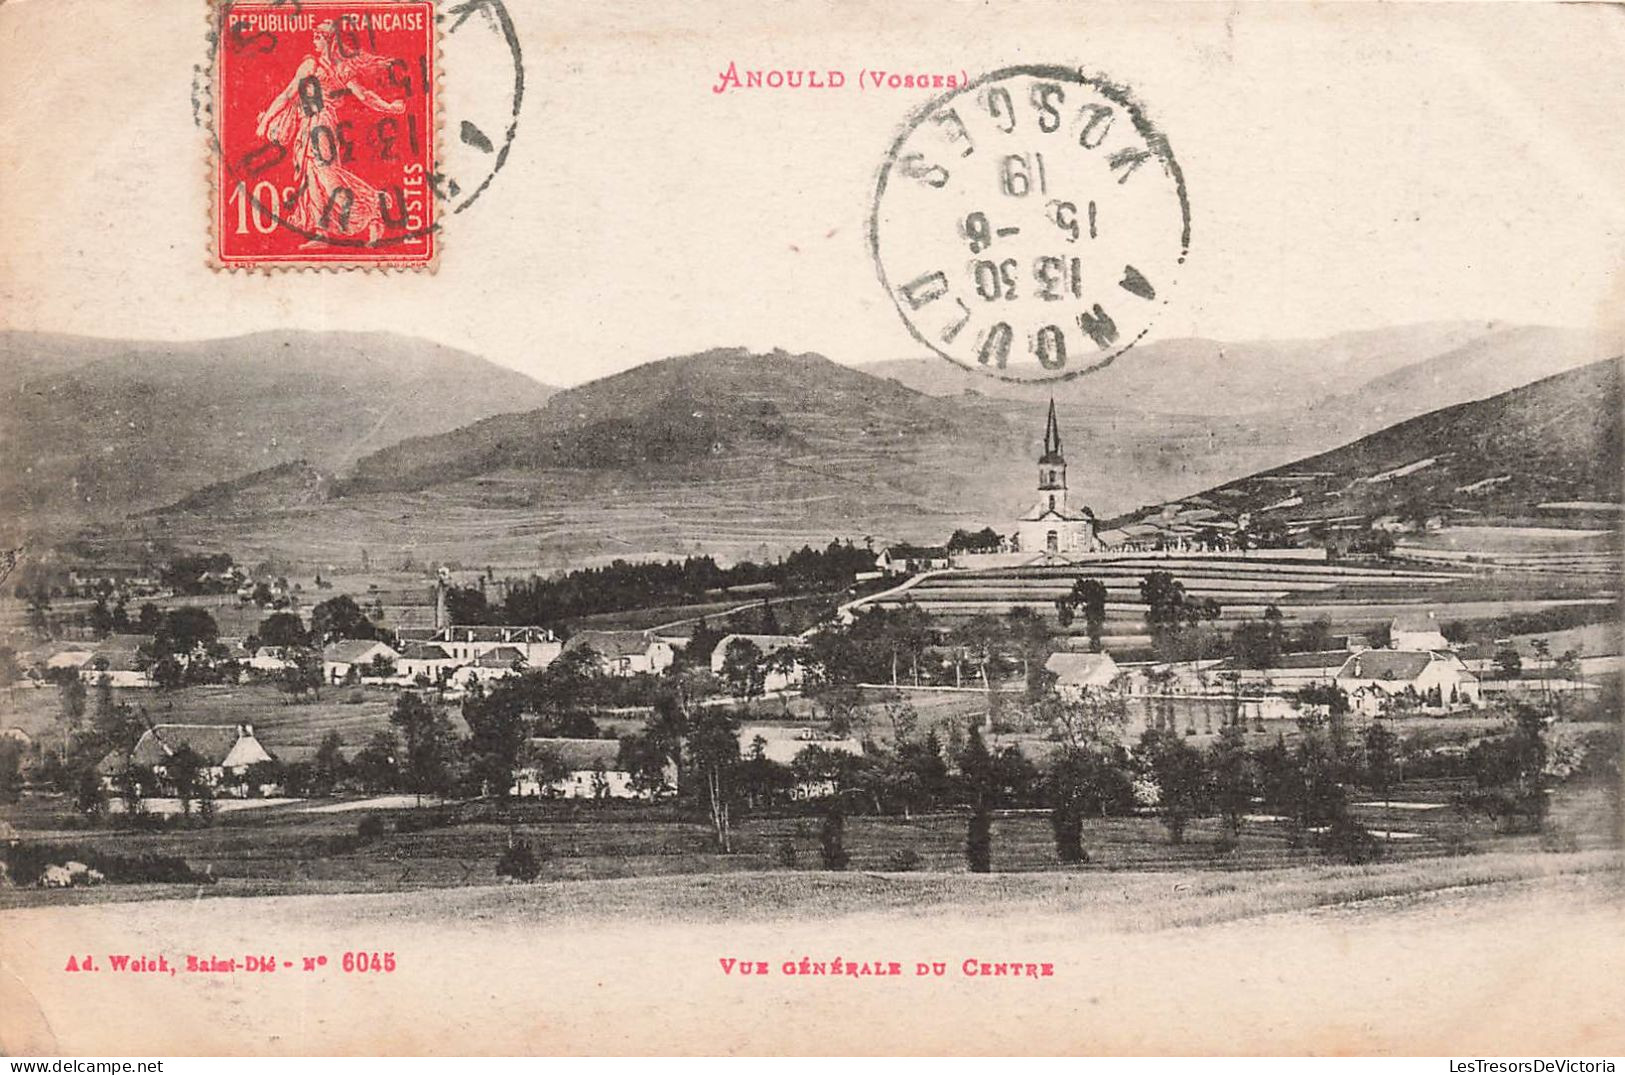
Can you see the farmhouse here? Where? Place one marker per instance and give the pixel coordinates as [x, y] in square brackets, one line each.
[591, 769]
[353, 656]
[782, 745]
[1052, 526]
[777, 676]
[226, 750]
[624, 653]
[1076, 673]
[1376, 678]
[270, 660]
[1416, 631]
[908, 559]
[423, 659]
[538, 645]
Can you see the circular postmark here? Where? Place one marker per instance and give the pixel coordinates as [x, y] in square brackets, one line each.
[1030, 224]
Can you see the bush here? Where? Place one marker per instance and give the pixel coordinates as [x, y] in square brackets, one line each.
[979, 842]
[904, 861]
[371, 827]
[519, 862]
[831, 841]
[1349, 841]
[26, 862]
[356, 697]
[785, 855]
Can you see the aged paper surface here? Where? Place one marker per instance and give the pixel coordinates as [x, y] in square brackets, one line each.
[1261, 360]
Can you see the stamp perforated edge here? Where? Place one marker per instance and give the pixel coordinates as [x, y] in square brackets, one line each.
[208, 96]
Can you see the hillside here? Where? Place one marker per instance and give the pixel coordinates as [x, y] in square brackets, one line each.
[108, 427]
[681, 410]
[1557, 439]
[1340, 387]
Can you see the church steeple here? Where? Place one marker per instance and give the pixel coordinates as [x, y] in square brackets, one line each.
[1052, 439]
[1052, 465]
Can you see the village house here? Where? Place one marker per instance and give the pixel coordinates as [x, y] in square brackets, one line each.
[466, 644]
[226, 751]
[354, 656]
[592, 770]
[781, 746]
[909, 559]
[1078, 673]
[775, 676]
[424, 659]
[624, 653]
[116, 668]
[269, 660]
[1377, 679]
[1416, 631]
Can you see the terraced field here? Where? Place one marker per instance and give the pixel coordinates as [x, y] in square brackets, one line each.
[1351, 596]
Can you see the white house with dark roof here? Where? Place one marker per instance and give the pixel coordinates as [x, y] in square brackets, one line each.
[624, 653]
[775, 677]
[424, 659]
[466, 644]
[227, 752]
[1439, 681]
[592, 771]
[340, 659]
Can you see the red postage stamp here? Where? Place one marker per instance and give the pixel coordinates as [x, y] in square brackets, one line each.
[325, 133]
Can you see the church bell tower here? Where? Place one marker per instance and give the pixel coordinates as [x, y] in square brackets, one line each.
[1052, 466]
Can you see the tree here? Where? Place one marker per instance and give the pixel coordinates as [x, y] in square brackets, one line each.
[185, 630]
[39, 612]
[831, 837]
[1234, 778]
[184, 769]
[283, 629]
[1087, 596]
[496, 733]
[1508, 662]
[101, 618]
[1071, 777]
[148, 618]
[11, 770]
[742, 668]
[1510, 771]
[1180, 778]
[338, 618]
[303, 674]
[979, 779]
[168, 672]
[713, 757]
[467, 606]
[1381, 763]
[427, 735]
[71, 695]
[376, 766]
[329, 766]
[545, 763]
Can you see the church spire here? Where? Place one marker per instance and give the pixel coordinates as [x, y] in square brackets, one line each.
[1052, 438]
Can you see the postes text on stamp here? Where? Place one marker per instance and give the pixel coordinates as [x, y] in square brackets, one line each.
[325, 134]
[1030, 224]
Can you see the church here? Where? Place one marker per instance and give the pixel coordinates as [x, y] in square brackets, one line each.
[1053, 526]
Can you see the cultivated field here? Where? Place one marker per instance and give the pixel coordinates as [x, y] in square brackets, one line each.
[1490, 954]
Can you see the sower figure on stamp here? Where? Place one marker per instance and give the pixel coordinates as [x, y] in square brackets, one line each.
[329, 198]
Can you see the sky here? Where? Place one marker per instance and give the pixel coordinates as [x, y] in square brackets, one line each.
[1348, 166]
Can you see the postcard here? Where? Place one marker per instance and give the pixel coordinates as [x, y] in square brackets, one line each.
[810, 529]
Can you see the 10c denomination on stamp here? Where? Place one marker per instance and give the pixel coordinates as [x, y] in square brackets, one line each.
[1030, 224]
[325, 133]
